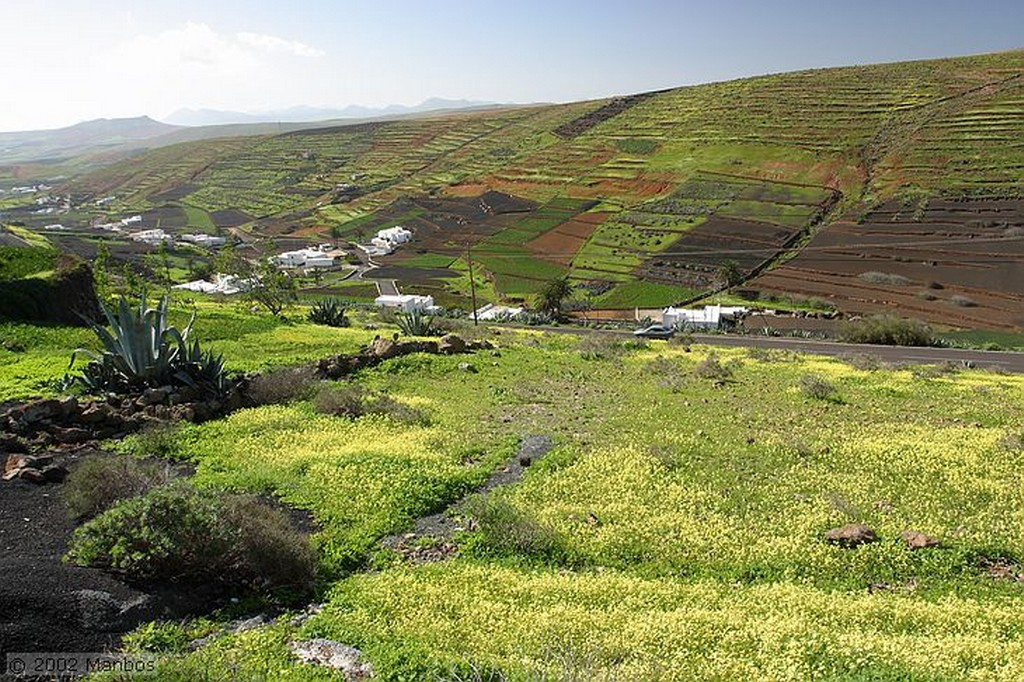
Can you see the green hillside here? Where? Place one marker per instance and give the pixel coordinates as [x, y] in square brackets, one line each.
[681, 181]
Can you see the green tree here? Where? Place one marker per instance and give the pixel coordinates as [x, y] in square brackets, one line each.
[262, 281]
[730, 274]
[551, 298]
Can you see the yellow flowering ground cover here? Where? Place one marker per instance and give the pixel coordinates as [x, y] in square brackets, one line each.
[687, 507]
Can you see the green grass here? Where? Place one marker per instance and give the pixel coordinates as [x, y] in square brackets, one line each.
[642, 295]
[690, 516]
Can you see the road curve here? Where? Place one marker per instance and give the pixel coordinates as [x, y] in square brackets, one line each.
[1003, 361]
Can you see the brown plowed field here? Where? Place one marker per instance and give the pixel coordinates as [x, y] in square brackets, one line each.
[959, 263]
[695, 258]
[561, 244]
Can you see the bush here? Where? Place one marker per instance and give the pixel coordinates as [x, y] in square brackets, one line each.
[600, 347]
[814, 386]
[504, 529]
[99, 482]
[884, 278]
[889, 331]
[712, 369]
[281, 386]
[268, 552]
[179, 532]
[352, 401]
[963, 301]
[329, 312]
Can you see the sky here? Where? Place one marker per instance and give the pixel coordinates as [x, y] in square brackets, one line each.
[67, 61]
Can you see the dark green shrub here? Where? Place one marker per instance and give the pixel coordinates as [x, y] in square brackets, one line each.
[889, 331]
[96, 483]
[179, 532]
[329, 312]
[174, 531]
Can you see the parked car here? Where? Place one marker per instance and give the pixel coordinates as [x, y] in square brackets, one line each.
[655, 331]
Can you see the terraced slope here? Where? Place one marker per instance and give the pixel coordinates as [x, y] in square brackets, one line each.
[682, 184]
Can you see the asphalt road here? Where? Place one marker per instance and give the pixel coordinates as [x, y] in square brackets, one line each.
[984, 359]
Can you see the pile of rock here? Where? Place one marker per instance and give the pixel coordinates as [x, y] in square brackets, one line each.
[854, 535]
[381, 349]
[40, 469]
[67, 422]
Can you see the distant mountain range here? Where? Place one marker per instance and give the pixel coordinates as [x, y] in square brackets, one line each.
[97, 135]
[104, 140]
[208, 117]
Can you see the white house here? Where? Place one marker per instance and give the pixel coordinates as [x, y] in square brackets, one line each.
[708, 317]
[388, 240]
[205, 240]
[153, 237]
[304, 258]
[497, 312]
[407, 302]
[131, 220]
[221, 284]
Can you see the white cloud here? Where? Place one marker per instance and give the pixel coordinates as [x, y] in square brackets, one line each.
[274, 44]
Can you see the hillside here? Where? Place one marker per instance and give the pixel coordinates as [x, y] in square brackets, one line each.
[648, 198]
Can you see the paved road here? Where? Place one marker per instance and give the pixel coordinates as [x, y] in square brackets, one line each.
[999, 360]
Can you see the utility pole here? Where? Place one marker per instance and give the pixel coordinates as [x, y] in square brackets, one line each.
[472, 284]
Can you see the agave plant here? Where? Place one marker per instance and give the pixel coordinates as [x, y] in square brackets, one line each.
[329, 312]
[416, 323]
[142, 349]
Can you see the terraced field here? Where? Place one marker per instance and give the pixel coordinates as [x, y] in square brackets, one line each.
[787, 151]
[959, 263]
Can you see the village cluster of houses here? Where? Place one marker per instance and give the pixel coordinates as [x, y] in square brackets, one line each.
[28, 189]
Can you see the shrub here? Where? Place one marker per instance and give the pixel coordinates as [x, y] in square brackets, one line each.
[814, 386]
[352, 401]
[505, 529]
[96, 483]
[281, 386]
[179, 532]
[329, 312]
[926, 295]
[600, 347]
[171, 532]
[888, 330]
[865, 362]
[963, 301]
[712, 369]
[884, 278]
[267, 552]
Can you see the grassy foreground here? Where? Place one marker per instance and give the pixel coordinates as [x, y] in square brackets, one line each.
[674, 533]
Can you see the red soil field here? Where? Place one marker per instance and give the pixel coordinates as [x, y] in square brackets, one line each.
[561, 244]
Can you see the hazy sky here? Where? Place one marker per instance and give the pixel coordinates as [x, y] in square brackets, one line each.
[71, 60]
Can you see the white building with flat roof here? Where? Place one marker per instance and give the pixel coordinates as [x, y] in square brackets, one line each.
[406, 302]
[708, 317]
